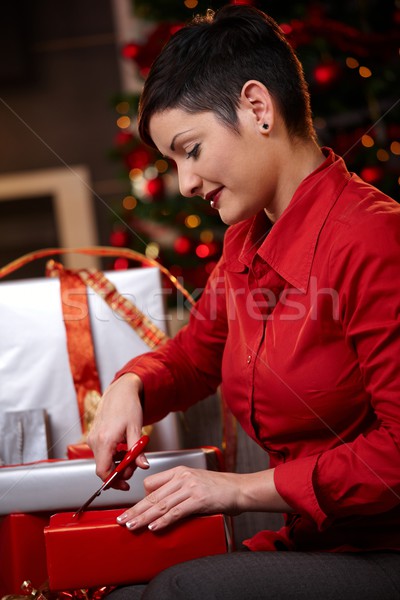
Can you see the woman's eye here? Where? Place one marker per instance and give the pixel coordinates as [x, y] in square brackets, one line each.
[194, 152]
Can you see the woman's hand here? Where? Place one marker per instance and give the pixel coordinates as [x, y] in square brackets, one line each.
[182, 491]
[118, 419]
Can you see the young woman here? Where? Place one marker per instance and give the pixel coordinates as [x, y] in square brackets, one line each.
[299, 323]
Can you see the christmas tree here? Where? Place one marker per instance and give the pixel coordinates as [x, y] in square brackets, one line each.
[349, 51]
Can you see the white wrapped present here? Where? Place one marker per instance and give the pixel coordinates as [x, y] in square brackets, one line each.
[34, 364]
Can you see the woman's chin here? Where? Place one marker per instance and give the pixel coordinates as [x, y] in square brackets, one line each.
[230, 218]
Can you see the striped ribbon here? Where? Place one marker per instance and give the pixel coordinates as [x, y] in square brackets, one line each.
[135, 318]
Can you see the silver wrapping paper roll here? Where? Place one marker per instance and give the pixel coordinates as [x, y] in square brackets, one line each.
[65, 484]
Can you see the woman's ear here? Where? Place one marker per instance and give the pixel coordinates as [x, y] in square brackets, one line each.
[256, 98]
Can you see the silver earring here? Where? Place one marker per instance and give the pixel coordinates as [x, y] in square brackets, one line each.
[265, 126]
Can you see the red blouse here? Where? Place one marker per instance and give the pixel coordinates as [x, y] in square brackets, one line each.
[301, 326]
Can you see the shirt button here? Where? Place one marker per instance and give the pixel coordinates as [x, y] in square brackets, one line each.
[248, 359]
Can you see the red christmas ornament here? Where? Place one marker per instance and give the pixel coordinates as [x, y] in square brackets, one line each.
[119, 238]
[371, 174]
[174, 28]
[122, 138]
[296, 33]
[286, 28]
[130, 50]
[155, 187]
[202, 251]
[139, 158]
[326, 73]
[144, 71]
[145, 54]
[182, 245]
[120, 264]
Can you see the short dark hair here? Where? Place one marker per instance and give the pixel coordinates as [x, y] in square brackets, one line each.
[204, 66]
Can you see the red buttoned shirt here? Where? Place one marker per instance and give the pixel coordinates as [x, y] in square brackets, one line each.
[300, 325]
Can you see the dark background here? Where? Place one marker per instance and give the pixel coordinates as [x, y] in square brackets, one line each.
[58, 75]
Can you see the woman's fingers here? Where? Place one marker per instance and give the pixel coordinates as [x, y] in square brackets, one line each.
[163, 493]
[118, 419]
[177, 512]
[164, 511]
[142, 461]
[156, 481]
[180, 492]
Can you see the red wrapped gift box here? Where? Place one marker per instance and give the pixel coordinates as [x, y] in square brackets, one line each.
[95, 551]
[22, 551]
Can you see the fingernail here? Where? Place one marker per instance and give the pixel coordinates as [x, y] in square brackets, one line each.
[152, 526]
[122, 518]
[131, 524]
[145, 461]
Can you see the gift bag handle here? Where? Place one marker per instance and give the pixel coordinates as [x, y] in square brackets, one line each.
[96, 251]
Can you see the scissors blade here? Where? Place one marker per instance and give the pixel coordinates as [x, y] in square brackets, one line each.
[128, 458]
[87, 503]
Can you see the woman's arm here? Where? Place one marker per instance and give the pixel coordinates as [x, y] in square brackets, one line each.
[180, 492]
[185, 370]
[188, 368]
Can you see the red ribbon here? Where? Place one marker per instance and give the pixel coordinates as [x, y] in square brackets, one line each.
[79, 336]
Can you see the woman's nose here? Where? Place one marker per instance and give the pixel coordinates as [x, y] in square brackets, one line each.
[189, 182]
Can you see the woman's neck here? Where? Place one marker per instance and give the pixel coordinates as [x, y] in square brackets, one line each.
[301, 159]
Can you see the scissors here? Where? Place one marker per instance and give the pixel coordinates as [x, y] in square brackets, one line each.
[128, 458]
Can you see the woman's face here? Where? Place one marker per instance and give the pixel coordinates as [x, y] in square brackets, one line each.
[229, 170]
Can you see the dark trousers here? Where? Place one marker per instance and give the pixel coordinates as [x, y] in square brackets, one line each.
[275, 576]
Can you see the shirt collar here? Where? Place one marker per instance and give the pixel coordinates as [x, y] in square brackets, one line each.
[289, 247]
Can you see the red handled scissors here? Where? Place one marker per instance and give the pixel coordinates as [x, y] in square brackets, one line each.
[128, 458]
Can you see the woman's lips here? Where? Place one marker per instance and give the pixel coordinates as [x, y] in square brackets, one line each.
[214, 196]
